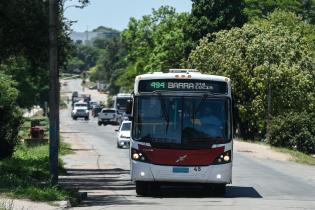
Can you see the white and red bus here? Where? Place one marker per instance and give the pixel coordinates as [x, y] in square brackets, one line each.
[181, 130]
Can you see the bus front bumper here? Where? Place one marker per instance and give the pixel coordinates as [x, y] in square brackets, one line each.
[141, 171]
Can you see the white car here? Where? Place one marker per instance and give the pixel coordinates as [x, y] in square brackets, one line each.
[123, 135]
[108, 116]
[80, 109]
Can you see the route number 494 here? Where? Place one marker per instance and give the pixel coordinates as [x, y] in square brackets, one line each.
[197, 168]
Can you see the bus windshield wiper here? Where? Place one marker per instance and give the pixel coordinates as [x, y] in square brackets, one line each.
[164, 111]
[204, 97]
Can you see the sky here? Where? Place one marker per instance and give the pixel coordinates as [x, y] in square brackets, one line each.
[116, 13]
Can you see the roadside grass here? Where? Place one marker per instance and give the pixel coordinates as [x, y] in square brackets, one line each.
[297, 156]
[7, 205]
[88, 84]
[68, 76]
[62, 102]
[26, 173]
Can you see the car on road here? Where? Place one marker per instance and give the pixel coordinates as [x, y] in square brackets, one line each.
[95, 110]
[124, 117]
[108, 116]
[92, 104]
[80, 109]
[74, 94]
[123, 135]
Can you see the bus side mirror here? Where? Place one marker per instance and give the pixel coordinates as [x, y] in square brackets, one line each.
[129, 107]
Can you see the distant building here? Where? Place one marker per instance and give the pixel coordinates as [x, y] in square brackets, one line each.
[88, 36]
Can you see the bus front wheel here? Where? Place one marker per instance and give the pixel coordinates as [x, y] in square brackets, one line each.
[142, 188]
[219, 190]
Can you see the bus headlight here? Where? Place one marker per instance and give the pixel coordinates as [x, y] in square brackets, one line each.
[223, 158]
[138, 156]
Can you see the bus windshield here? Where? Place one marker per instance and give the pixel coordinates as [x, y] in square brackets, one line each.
[193, 122]
[122, 103]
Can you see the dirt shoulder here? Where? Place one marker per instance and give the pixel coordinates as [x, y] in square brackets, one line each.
[260, 151]
[18, 204]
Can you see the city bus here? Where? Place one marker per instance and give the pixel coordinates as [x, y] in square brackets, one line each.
[119, 102]
[181, 130]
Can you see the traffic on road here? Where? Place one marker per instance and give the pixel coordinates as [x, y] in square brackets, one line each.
[262, 181]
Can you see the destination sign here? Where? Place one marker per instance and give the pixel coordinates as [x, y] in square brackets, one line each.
[214, 87]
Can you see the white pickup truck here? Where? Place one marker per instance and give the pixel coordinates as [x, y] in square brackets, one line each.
[108, 116]
[80, 109]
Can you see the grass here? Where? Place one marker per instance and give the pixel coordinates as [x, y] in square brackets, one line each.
[26, 174]
[62, 102]
[297, 156]
[7, 205]
[88, 84]
[67, 76]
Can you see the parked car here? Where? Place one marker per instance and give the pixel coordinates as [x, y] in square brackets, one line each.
[80, 109]
[92, 104]
[123, 135]
[108, 116]
[95, 110]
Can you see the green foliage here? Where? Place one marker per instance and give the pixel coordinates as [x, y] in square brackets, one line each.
[266, 52]
[26, 175]
[10, 116]
[258, 9]
[8, 93]
[10, 121]
[33, 86]
[82, 58]
[208, 16]
[155, 43]
[110, 63]
[24, 45]
[295, 131]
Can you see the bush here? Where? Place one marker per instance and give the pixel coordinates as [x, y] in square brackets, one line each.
[294, 131]
[10, 121]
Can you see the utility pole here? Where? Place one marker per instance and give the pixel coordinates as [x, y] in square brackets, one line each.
[53, 93]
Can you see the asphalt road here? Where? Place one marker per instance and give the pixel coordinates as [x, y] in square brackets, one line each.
[102, 170]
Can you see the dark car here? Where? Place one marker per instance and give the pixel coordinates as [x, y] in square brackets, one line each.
[96, 110]
[75, 94]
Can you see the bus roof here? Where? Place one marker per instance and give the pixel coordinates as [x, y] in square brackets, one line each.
[182, 74]
[123, 95]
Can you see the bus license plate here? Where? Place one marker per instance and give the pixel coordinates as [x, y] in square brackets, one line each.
[180, 170]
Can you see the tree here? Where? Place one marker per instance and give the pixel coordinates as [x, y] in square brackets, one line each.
[260, 9]
[83, 57]
[209, 16]
[155, 43]
[110, 63]
[274, 51]
[169, 42]
[24, 47]
[10, 116]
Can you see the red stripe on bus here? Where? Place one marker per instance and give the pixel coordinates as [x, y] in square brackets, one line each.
[178, 157]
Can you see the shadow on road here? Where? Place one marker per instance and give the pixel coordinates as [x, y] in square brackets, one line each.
[104, 186]
[113, 187]
[198, 191]
[241, 192]
[97, 179]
